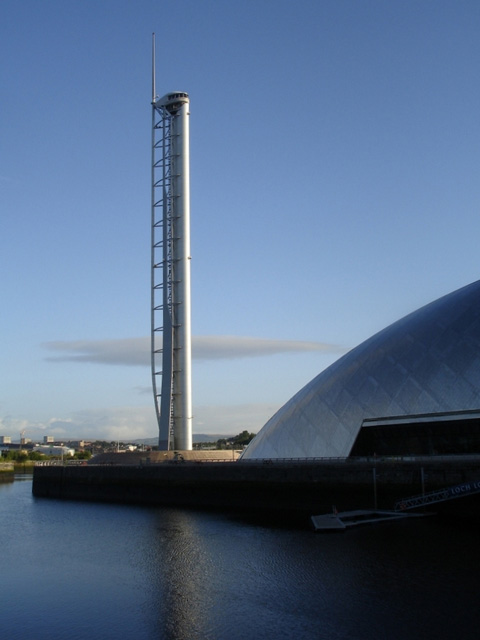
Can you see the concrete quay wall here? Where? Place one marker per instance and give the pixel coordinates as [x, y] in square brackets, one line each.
[297, 487]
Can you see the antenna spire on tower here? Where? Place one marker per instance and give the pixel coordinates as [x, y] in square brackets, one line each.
[153, 69]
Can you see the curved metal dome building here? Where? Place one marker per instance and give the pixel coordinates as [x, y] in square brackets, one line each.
[413, 388]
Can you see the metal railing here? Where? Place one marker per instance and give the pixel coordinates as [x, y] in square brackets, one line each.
[441, 495]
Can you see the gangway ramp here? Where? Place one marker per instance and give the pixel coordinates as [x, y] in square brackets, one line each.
[344, 520]
[440, 495]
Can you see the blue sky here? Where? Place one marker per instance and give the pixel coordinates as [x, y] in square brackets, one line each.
[335, 150]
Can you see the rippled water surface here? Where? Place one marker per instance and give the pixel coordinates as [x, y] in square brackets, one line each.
[73, 570]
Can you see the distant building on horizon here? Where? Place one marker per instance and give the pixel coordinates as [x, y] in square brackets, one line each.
[54, 450]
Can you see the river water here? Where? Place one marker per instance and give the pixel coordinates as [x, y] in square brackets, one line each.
[73, 570]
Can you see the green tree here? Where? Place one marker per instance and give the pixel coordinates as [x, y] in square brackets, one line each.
[36, 455]
[243, 438]
[82, 455]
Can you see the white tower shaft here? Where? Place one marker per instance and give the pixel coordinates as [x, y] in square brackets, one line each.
[171, 271]
[182, 347]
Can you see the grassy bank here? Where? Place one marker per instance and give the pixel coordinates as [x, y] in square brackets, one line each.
[6, 472]
[24, 467]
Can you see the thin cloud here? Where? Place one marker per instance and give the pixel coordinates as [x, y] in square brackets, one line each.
[232, 347]
[126, 351]
[136, 351]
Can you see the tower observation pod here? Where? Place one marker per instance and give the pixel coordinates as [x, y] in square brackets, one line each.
[171, 299]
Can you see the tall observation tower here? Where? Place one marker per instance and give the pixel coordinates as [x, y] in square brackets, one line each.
[170, 308]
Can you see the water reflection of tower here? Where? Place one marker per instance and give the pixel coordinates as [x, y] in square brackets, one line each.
[170, 305]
